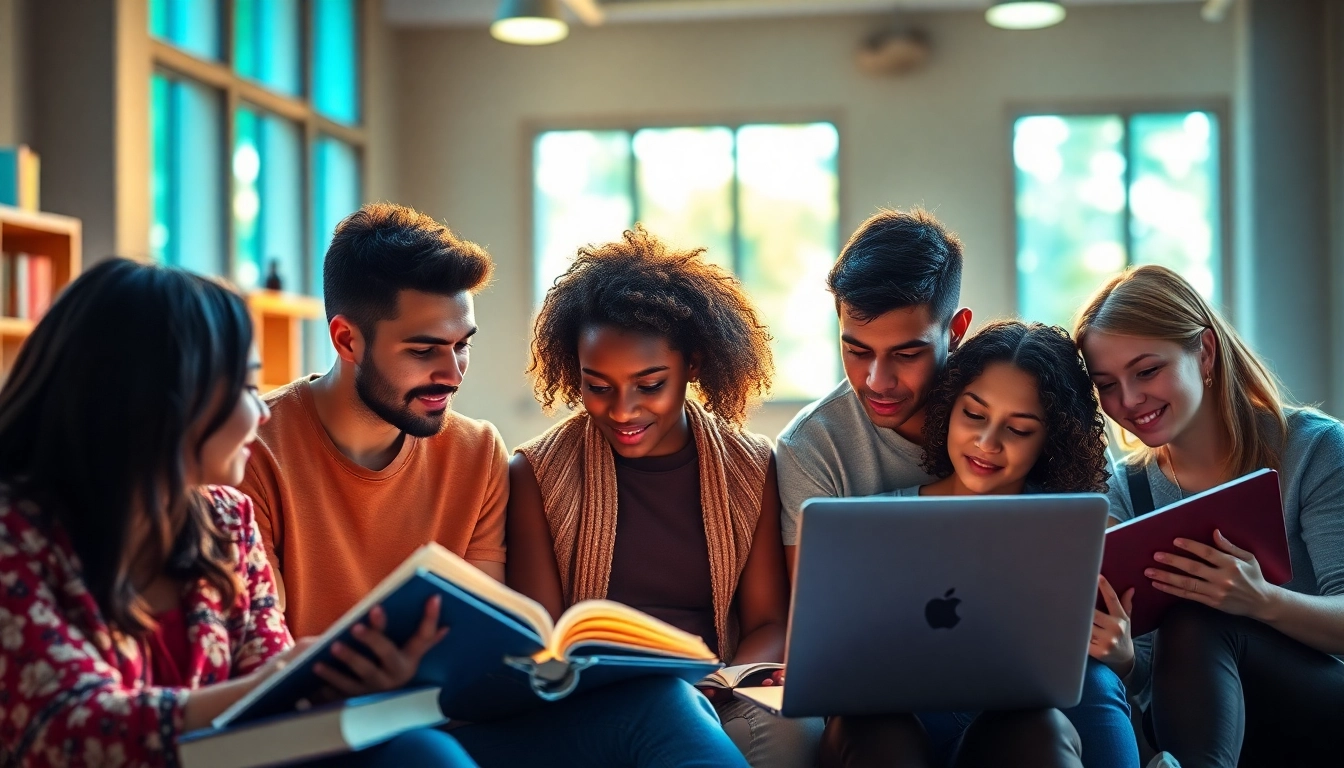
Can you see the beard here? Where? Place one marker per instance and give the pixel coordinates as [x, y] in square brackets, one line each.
[380, 396]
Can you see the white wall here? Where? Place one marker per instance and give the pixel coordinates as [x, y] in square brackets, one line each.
[939, 138]
[13, 73]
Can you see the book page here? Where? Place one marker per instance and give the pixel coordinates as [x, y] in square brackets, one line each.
[610, 623]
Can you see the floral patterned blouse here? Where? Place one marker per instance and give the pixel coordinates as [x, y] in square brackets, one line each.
[73, 693]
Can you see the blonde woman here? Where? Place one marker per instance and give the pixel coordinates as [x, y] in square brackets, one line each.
[1243, 672]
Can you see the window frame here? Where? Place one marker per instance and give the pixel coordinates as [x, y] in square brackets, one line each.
[532, 130]
[1126, 109]
[237, 90]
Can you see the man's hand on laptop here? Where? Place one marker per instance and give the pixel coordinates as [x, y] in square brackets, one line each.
[1111, 642]
[392, 667]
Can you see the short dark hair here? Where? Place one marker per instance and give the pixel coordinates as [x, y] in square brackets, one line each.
[383, 249]
[1073, 459]
[639, 283]
[896, 260]
[169, 351]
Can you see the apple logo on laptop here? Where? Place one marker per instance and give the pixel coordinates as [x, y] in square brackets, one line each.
[941, 612]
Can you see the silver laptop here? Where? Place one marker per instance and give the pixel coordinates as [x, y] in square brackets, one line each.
[940, 604]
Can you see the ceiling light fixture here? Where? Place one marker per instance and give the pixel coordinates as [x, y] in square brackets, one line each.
[1025, 14]
[529, 22]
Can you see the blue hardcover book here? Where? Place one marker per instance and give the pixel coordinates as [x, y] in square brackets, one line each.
[346, 726]
[502, 654]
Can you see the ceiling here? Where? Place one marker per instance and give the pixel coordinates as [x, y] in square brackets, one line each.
[464, 13]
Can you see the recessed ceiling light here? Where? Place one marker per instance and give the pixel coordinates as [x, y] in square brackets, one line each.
[1025, 14]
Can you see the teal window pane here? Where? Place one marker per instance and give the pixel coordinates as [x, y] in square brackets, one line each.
[192, 25]
[267, 164]
[266, 43]
[1070, 174]
[788, 237]
[582, 195]
[1174, 195]
[335, 62]
[186, 182]
[336, 194]
[684, 188]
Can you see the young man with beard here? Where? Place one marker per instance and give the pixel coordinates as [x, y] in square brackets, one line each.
[359, 466]
[897, 284]
[363, 464]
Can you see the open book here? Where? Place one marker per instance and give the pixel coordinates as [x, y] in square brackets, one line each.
[1248, 511]
[502, 654]
[721, 684]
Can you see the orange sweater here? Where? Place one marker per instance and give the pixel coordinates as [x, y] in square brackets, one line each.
[335, 529]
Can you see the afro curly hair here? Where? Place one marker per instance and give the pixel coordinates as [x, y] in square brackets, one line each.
[639, 283]
[1073, 459]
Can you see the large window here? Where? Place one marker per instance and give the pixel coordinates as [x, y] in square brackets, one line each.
[761, 198]
[257, 141]
[1100, 192]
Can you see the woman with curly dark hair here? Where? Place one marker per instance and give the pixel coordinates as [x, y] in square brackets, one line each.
[1014, 412]
[652, 494]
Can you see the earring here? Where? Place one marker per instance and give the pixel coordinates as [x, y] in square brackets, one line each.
[1208, 381]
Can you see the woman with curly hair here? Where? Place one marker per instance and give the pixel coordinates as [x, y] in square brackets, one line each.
[652, 494]
[1014, 412]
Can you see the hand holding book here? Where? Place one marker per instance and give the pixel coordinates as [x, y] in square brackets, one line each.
[389, 667]
[1227, 578]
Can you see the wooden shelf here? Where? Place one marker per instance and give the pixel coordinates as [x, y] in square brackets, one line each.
[277, 318]
[285, 304]
[44, 235]
[16, 327]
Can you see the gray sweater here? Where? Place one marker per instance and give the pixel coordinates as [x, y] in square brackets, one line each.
[1311, 479]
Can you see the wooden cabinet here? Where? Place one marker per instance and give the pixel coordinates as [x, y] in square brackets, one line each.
[46, 236]
[278, 322]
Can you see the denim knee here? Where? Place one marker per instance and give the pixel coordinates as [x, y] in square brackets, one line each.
[1102, 687]
[663, 694]
[425, 746]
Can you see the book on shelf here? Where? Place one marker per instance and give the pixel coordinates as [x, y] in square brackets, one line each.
[20, 175]
[503, 653]
[1248, 511]
[344, 726]
[20, 297]
[39, 286]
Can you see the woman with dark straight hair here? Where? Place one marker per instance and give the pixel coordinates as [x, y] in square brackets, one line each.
[136, 602]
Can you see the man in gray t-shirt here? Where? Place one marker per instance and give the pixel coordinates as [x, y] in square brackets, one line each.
[896, 285]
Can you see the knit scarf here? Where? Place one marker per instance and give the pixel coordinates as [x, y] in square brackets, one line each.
[575, 470]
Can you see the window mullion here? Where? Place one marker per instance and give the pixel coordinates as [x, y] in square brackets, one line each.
[736, 214]
[1127, 120]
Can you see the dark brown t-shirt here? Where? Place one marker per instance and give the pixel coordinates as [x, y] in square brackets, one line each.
[661, 562]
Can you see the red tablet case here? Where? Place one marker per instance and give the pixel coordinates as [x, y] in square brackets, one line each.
[1249, 513]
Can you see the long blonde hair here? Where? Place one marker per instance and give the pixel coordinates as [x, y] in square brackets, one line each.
[1156, 303]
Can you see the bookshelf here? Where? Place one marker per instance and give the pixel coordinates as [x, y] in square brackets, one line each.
[47, 236]
[278, 321]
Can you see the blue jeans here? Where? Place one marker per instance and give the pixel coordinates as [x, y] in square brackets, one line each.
[1101, 719]
[651, 722]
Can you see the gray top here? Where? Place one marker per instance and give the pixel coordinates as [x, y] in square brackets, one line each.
[1311, 479]
[831, 449]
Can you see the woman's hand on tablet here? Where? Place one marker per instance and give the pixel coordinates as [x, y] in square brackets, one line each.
[1229, 579]
[1111, 642]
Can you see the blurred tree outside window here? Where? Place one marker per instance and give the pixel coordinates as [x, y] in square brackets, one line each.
[763, 200]
[1099, 193]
